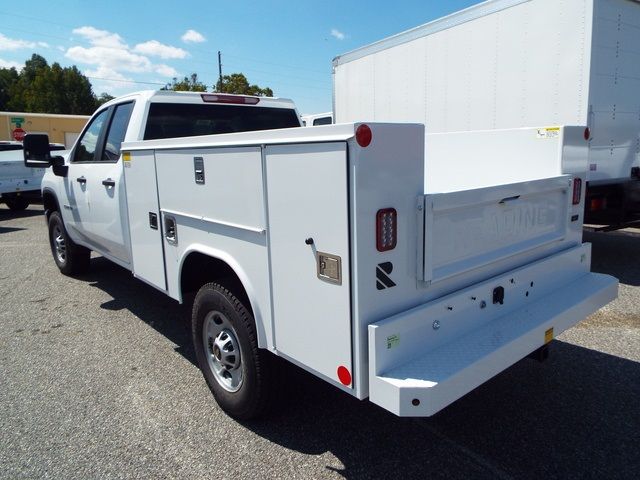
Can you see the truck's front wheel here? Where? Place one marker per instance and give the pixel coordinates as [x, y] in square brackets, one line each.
[70, 258]
[226, 346]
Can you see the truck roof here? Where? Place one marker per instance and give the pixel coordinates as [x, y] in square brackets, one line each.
[169, 96]
[443, 23]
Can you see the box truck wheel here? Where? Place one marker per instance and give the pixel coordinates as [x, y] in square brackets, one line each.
[70, 258]
[17, 203]
[226, 346]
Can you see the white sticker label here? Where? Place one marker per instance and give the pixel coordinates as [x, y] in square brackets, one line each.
[549, 132]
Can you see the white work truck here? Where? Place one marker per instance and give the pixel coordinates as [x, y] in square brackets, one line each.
[319, 245]
[505, 64]
[19, 185]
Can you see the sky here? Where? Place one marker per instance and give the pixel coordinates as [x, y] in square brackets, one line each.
[125, 46]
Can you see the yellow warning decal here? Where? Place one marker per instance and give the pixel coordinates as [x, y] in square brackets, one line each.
[548, 335]
[126, 156]
[548, 132]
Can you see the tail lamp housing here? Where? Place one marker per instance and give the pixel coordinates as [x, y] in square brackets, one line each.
[577, 190]
[386, 229]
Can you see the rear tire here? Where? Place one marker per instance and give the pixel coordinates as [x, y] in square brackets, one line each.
[226, 345]
[17, 204]
[71, 258]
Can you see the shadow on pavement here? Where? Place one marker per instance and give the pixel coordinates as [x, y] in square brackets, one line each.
[574, 416]
[32, 211]
[616, 253]
[10, 229]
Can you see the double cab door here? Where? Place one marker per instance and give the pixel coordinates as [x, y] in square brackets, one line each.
[95, 188]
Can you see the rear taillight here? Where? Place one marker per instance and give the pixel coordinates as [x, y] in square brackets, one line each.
[238, 99]
[577, 190]
[386, 229]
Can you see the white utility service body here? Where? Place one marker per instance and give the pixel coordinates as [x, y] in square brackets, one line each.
[506, 64]
[476, 279]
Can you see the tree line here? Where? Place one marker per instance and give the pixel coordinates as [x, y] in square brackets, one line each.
[43, 88]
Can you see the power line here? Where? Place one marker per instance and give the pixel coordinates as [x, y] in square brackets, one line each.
[126, 81]
[207, 52]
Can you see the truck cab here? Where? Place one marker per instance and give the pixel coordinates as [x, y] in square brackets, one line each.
[91, 196]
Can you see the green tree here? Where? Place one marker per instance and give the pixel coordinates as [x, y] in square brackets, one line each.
[187, 84]
[238, 83]
[103, 98]
[51, 89]
[8, 76]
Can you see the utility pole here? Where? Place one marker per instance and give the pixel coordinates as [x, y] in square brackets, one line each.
[219, 71]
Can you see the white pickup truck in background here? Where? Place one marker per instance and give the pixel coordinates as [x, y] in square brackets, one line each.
[19, 185]
[321, 245]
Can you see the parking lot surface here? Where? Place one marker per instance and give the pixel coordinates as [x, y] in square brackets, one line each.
[98, 380]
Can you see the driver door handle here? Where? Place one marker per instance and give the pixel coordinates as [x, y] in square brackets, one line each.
[81, 180]
[109, 183]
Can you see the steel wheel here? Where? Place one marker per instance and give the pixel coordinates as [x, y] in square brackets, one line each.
[223, 351]
[59, 244]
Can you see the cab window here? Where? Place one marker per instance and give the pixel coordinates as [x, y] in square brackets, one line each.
[88, 144]
[116, 133]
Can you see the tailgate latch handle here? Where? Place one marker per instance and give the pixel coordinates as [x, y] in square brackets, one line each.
[509, 199]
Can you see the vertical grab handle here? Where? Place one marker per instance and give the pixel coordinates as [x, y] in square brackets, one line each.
[170, 229]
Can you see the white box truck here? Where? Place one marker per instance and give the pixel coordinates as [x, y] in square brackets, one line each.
[515, 63]
[319, 245]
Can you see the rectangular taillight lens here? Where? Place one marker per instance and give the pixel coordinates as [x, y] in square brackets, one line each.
[386, 229]
[577, 190]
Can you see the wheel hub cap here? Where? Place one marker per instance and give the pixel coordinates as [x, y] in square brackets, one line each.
[223, 351]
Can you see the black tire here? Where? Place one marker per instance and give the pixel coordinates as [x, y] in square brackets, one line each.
[17, 204]
[217, 307]
[71, 259]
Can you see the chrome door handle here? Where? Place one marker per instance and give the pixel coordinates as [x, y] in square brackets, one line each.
[109, 183]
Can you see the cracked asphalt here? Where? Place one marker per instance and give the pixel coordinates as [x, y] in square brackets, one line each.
[98, 380]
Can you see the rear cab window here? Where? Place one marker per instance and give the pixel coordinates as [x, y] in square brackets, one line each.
[171, 120]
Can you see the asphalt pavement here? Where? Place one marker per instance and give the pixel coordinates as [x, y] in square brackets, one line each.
[98, 380]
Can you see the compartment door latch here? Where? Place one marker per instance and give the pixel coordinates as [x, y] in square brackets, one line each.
[329, 268]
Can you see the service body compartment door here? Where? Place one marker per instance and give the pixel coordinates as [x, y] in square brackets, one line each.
[308, 210]
[144, 217]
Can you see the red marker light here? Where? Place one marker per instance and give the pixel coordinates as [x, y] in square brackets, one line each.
[587, 134]
[344, 375]
[363, 135]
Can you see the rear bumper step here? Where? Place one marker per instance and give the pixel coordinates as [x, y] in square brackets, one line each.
[411, 376]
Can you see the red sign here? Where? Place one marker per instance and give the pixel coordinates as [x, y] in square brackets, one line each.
[18, 134]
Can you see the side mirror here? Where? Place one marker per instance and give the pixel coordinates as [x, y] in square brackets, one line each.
[37, 151]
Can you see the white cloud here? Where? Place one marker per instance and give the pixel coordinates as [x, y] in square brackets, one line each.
[337, 34]
[7, 43]
[10, 64]
[166, 70]
[44, 45]
[100, 38]
[112, 58]
[155, 48]
[191, 36]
